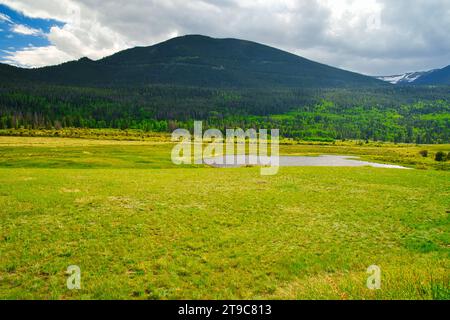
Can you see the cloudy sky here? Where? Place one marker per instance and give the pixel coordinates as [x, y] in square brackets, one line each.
[376, 37]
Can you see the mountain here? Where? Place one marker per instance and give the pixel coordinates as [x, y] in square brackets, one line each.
[406, 78]
[196, 60]
[432, 77]
[436, 77]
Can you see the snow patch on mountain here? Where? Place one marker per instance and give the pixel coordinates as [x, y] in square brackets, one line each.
[405, 78]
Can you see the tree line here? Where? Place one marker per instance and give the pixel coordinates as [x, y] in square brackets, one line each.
[400, 114]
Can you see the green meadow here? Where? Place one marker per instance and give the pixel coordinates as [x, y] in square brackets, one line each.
[140, 227]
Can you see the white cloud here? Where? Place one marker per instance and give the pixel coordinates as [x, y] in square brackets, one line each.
[25, 30]
[370, 36]
[36, 56]
[5, 18]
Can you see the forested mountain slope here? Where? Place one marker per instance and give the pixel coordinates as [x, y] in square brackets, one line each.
[196, 61]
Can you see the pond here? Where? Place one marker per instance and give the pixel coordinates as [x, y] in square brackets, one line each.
[296, 161]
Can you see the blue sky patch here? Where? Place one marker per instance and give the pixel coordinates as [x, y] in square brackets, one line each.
[18, 31]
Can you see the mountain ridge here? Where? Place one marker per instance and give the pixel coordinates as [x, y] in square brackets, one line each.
[405, 78]
[431, 77]
[436, 77]
[197, 60]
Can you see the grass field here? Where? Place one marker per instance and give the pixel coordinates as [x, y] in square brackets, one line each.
[140, 227]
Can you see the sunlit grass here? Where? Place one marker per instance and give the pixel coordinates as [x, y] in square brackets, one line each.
[141, 228]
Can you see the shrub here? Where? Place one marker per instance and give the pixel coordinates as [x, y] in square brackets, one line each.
[424, 153]
[440, 156]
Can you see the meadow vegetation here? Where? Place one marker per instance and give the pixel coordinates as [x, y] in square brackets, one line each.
[140, 227]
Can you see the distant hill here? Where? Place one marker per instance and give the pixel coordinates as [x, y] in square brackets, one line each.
[406, 78]
[436, 77]
[432, 77]
[196, 61]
